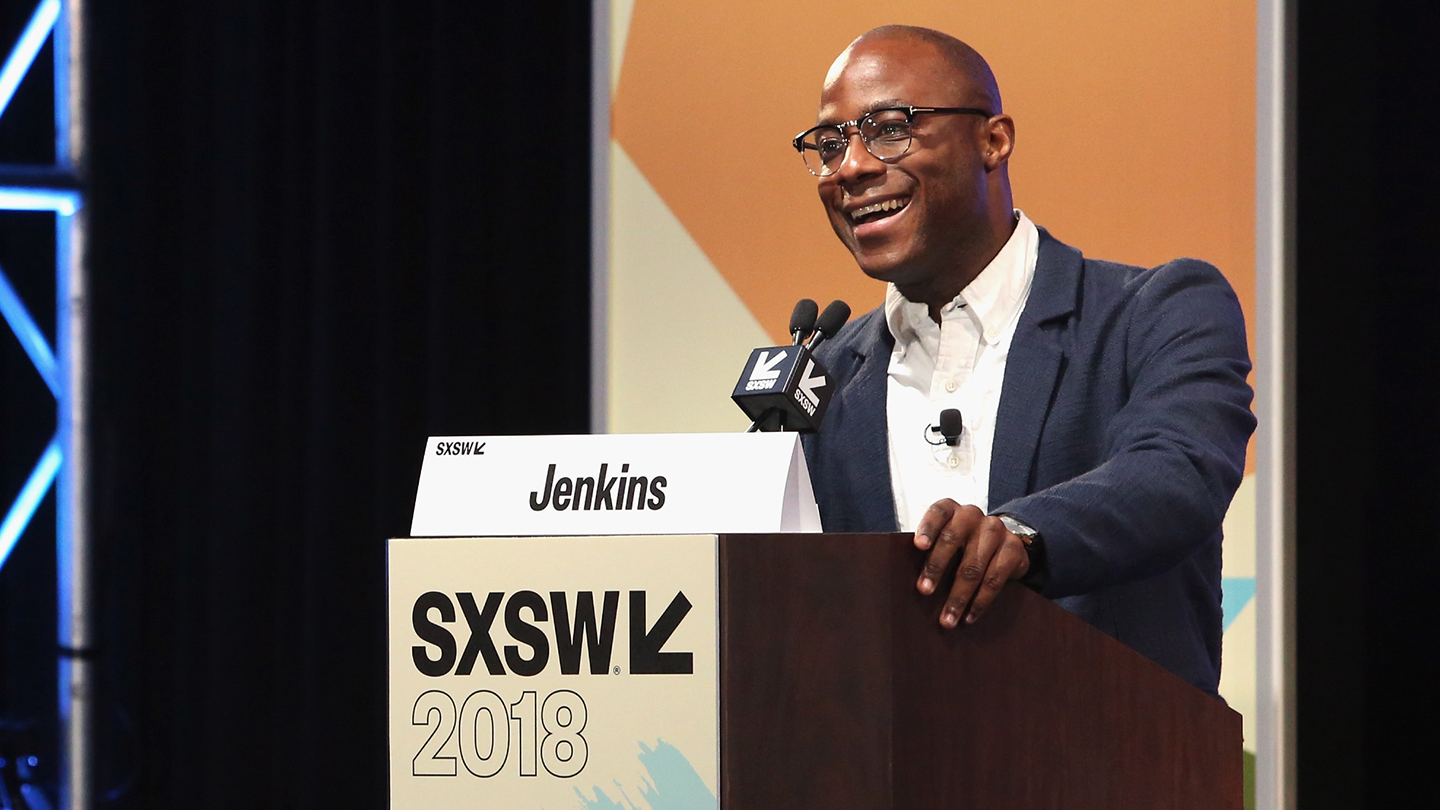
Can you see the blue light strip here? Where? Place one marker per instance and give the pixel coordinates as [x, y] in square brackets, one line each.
[19, 198]
[28, 333]
[32, 39]
[29, 498]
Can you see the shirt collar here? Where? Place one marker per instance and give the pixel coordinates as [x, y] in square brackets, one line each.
[993, 297]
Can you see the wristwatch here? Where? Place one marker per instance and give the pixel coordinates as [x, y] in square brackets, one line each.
[1038, 574]
[1027, 535]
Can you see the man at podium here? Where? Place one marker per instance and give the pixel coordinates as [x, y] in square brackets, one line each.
[1103, 409]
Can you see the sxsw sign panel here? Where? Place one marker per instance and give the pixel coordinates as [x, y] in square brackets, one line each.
[576, 672]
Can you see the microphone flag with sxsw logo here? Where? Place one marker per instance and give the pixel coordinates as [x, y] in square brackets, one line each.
[784, 387]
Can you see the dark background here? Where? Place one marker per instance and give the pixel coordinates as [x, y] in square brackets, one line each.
[1368, 403]
[325, 230]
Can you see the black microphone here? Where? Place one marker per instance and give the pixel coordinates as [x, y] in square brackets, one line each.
[950, 428]
[784, 387]
[802, 320]
[830, 322]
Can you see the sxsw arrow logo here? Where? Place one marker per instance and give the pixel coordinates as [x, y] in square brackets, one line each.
[568, 623]
[766, 368]
[645, 655]
[808, 384]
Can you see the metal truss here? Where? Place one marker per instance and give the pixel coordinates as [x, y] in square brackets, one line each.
[58, 188]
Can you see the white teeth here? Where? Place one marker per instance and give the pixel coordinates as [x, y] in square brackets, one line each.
[888, 205]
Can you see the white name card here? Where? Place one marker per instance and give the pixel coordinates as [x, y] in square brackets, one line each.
[691, 483]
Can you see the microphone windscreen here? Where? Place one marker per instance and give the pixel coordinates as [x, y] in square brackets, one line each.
[950, 424]
[803, 318]
[833, 318]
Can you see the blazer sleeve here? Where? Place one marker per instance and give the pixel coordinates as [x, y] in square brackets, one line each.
[1173, 454]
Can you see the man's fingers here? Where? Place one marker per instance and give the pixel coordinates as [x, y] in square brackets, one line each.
[974, 573]
[1010, 562]
[945, 540]
[933, 521]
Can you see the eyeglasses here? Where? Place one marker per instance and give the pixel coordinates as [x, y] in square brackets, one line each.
[886, 134]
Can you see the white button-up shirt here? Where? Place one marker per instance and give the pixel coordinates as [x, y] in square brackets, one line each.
[957, 363]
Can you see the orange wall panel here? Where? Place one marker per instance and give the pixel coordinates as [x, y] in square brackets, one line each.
[1135, 129]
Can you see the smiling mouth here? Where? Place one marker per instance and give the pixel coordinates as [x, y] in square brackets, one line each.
[878, 211]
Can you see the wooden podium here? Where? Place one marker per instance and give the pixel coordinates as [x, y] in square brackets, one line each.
[839, 689]
[836, 687]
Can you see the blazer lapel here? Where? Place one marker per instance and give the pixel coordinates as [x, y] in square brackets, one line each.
[1033, 369]
[864, 425]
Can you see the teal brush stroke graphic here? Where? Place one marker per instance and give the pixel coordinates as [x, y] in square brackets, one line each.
[673, 784]
[1235, 594]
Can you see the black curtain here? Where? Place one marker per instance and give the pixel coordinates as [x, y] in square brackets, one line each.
[321, 232]
[1369, 449]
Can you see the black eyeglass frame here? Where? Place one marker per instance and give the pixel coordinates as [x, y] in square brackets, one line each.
[910, 112]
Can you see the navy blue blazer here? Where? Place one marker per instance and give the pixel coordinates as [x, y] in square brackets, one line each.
[1121, 435]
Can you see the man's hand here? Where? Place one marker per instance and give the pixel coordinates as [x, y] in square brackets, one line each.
[991, 556]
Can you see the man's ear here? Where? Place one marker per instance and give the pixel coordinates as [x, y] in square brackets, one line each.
[999, 134]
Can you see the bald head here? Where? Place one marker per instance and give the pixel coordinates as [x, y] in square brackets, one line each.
[930, 218]
[970, 78]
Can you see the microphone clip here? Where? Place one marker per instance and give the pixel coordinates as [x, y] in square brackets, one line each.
[948, 431]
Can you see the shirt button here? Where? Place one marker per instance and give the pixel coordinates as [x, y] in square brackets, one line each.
[950, 386]
[953, 461]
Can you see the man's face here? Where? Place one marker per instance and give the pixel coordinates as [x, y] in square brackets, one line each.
[935, 193]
